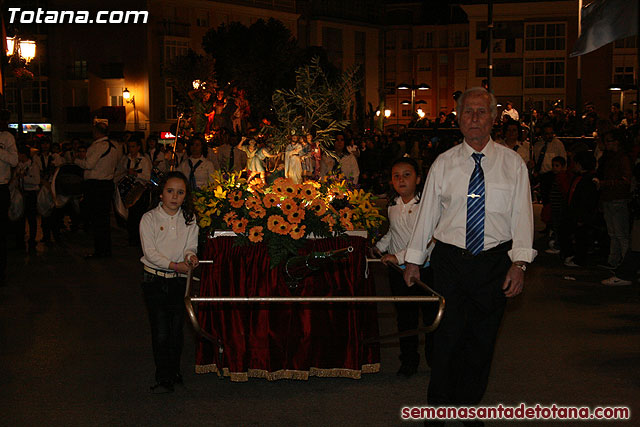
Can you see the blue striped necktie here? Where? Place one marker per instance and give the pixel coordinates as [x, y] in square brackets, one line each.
[475, 208]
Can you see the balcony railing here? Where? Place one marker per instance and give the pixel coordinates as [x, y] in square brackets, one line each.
[175, 29]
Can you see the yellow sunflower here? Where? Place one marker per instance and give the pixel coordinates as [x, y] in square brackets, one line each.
[288, 205]
[236, 199]
[345, 214]
[308, 192]
[252, 202]
[229, 218]
[256, 234]
[273, 222]
[296, 216]
[270, 200]
[283, 228]
[297, 231]
[319, 207]
[239, 226]
[258, 212]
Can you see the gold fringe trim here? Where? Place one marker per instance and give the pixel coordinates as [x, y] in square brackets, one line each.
[290, 374]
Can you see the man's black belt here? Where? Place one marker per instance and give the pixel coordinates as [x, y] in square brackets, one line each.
[496, 250]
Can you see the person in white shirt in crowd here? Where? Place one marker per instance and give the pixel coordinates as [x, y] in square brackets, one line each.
[155, 153]
[169, 235]
[27, 175]
[174, 159]
[476, 205]
[513, 139]
[510, 113]
[58, 157]
[99, 163]
[70, 155]
[137, 166]
[403, 212]
[197, 168]
[47, 163]
[8, 160]
[544, 151]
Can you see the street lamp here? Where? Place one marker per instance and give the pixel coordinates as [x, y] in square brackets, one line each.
[387, 113]
[20, 53]
[131, 99]
[413, 87]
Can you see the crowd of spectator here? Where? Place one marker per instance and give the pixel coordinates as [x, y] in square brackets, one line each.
[583, 167]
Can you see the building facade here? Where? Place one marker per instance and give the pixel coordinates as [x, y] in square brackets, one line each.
[531, 64]
[81, 71]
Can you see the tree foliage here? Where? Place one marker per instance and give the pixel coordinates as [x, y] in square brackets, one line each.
[260, 58]
[183, 70]
[317, 104]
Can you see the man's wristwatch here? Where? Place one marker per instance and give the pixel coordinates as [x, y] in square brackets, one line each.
[521, 265]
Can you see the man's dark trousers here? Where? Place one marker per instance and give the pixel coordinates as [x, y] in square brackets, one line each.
[98, 198]
[464, 341]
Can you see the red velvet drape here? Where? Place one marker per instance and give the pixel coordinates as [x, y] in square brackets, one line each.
[278, 340]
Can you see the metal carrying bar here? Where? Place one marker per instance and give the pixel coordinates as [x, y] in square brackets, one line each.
[435, 297]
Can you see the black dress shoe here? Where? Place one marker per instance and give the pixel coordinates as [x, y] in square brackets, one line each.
[407, 370]
[162, 387]
[178, 379]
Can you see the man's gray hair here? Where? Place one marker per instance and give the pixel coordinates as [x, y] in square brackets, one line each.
[492, 100]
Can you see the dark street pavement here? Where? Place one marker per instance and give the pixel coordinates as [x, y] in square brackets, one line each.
[75, 350]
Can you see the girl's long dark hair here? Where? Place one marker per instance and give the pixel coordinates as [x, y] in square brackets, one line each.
[393, 194]
[188, 210]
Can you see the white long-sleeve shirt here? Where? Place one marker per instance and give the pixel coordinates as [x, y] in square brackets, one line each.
[166, 239]
[29, 173]
[141, 164]
[202, 173]
[8, 156]
[402, 220]
[97, 165]
[443, 207]
[555, 148]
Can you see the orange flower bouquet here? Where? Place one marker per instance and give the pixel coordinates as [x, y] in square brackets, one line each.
[284, 213]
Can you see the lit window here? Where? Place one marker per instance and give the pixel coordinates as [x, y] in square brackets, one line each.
[171, 109]
[545, 37]
[544, 73]
[174, 47]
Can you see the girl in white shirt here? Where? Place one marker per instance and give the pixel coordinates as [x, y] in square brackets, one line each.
[403, 212]
[169, 236]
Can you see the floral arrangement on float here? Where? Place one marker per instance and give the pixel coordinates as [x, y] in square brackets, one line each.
[282, 214]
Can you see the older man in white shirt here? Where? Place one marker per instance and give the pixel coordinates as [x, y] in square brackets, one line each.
[476, 204]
